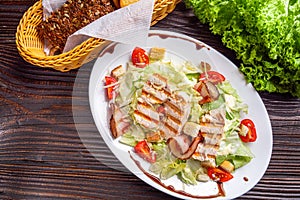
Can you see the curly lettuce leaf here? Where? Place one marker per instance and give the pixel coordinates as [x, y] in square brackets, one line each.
[265, 36]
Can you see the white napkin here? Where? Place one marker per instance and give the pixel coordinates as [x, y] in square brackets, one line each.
[129, 25]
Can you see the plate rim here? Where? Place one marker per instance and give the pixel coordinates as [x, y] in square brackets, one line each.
[171, 33]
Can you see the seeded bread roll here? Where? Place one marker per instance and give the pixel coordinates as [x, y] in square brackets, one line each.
[72, 16]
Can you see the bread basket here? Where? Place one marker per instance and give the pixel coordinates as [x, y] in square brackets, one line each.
[31, 46]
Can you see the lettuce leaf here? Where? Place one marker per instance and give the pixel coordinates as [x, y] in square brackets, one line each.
[240, 158]
[265, 36]
[234, 150]
[128, 139]
[166, 164]
[187, 176]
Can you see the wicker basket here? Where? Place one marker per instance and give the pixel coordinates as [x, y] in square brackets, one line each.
[31, 46]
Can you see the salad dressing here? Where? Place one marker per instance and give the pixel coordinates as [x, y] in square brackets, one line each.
[155, 179]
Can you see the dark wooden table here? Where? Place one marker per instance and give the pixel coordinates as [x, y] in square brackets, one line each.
[43, 157]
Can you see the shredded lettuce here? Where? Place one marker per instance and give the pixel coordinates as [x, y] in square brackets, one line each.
[215, 104]
[128, 139]
[233, 100]
[183, 78]
[234, 106]
[132, 136]
[196, 112]
[193, 76]
[197, 170]
[232, 148]
[187, 176]
[166, 164]
[265, 36]
[172, 169]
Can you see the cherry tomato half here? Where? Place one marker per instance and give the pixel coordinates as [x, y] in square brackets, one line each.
[251, 134]
[139, 57]
[110, 90]
[212, 76]
[218, 175]
[144, 151]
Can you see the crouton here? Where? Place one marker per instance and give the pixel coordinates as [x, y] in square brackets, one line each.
[118, 72]
[227, 166]
[157, 53]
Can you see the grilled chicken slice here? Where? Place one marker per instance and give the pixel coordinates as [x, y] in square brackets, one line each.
[177, 108]
[149, 90]
[145, 120]
[182, 146]
[119, 123]
[147, 110]
[212, 130]
[179, 144]
[176, 116]
[158, 80]
[160, 109]
[216, 116]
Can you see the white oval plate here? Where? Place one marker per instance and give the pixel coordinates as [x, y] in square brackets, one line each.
[179, 48]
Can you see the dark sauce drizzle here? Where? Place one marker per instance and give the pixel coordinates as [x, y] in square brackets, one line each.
[221, 191]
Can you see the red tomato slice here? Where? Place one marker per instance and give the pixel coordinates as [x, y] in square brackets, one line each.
[251, 134]
[144, 151]
[139, 57]
[218, 175]
[212, 76]
[110, 90]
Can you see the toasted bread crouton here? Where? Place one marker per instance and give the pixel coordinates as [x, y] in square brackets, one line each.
[118, 72]
[118, 122]
[153, 136]
[191, 128]
[157, 53]
[227, 166]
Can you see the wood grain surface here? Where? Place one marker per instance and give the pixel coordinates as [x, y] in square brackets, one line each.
[42, 155]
